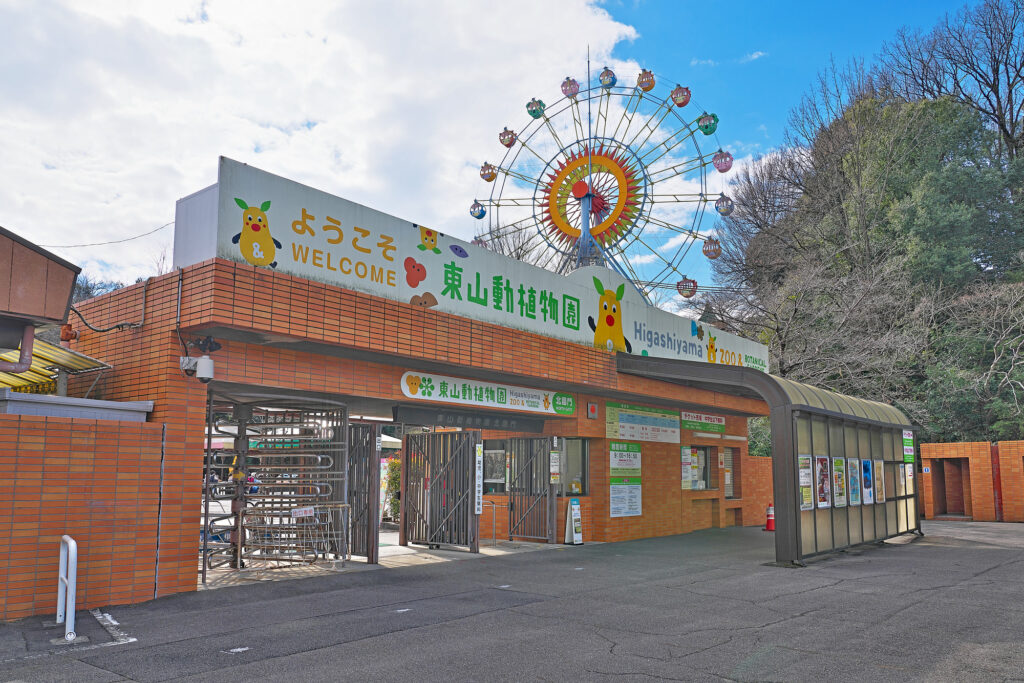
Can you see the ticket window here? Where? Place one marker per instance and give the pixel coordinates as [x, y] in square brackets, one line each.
[575, 468]
[707, 468]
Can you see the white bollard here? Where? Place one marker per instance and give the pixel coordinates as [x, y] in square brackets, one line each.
[66, 581]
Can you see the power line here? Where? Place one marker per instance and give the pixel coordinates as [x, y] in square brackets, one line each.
[100, 244]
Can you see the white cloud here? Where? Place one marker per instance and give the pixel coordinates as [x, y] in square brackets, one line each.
[111, 111]
[757, 54]
[703, 62]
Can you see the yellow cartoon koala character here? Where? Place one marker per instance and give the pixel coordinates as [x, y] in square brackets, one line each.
[608, 328]
[257, 245]
[413, 382]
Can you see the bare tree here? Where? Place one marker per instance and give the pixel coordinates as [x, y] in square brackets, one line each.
[975, 56]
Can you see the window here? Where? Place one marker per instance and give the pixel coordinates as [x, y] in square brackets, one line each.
[732, 473]
[703, 477]
[494, 466]
[574, 466]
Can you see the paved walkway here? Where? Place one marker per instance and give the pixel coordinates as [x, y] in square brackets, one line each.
[704, 606]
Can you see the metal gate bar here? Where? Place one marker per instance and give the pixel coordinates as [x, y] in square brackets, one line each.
[439, 475]
[528, 490]
[364, 489]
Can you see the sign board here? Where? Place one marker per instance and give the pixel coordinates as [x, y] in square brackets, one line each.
[624, 470]
[689, 468]
[555, 468]
[640, 423]
[251, 216]
[927, 470]
[469, 392]
[701, 422]
[908, 445]
[479, 492]
[440, 416]
[308, 511]
[574, 523]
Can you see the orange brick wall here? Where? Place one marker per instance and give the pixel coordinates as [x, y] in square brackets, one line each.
[269, 305]
[976, 490]
[62, 476]
[1011, 474]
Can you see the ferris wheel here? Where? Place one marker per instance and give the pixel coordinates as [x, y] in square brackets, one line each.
[611, 175]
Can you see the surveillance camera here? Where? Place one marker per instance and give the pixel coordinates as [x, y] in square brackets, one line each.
[188, 365]
[204, 369]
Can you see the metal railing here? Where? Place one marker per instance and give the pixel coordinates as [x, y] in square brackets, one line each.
[66, 585]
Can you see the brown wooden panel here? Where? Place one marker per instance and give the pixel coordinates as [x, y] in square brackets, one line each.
[6, 248]
[28, 282]
[59, 281]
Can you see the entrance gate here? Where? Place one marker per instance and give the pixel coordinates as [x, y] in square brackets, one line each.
[438, 487]
[529, 494]
[277, 476]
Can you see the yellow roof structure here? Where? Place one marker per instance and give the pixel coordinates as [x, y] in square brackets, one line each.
[46, 360]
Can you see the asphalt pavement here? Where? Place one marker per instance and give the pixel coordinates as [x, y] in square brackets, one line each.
[703, 606]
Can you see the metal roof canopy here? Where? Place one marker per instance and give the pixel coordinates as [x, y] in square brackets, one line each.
[788, 402]
[46, 360]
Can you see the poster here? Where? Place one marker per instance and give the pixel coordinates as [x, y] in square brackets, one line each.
[555, 468]
[640, 423]
[806, 482]
[839, 482]
[821, 477]
[688, 469]
[625, 489]
[879, 482]
[853, 467]
[868, 479]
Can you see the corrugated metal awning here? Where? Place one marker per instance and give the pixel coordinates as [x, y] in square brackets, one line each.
[46, 360]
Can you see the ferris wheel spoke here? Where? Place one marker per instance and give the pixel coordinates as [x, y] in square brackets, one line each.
[650, 128]
[666, 146]
[551, 129]
[577, 119]
[517, 175]
[628, 111]
[679, 169]
[682, 198]
[531, 151]
[678, 229]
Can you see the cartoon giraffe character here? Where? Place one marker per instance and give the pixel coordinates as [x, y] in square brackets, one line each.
[257, 245]
[608, 328]
[547, 401]
[711, 349]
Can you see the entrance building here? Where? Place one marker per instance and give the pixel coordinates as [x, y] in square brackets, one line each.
[296, 323]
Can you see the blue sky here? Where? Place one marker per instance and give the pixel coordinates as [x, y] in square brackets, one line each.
[791, 42]
[752, 62]
[111, 111]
